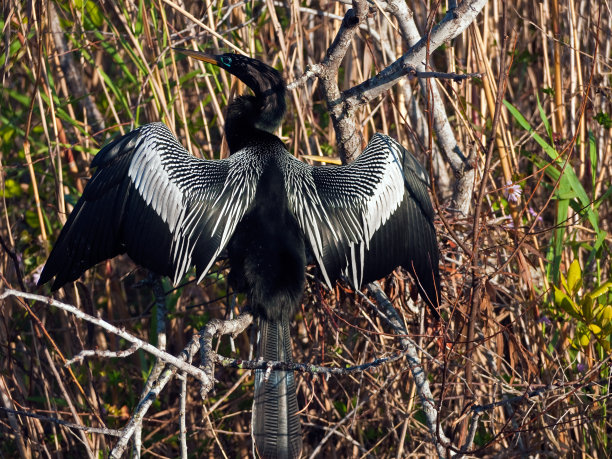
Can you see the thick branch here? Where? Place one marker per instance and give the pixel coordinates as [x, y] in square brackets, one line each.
[460, 164]
[454, 23]
[145, 403]
[217, 327]
[304, 367]
[348, 137]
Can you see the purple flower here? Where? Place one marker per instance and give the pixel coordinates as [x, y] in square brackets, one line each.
[533, 213]
[581, 367]
[512, 191]
[545, 320]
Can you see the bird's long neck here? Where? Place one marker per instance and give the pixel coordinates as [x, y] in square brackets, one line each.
[254, 117]
[272, 106]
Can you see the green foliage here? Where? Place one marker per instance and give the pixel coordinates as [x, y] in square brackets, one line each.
[11, 189]
[92, 10]
[548, 91]
[569, 191]
[592, 309]
[483, 436]
[341, 407]
[603, 119]
[122, 52]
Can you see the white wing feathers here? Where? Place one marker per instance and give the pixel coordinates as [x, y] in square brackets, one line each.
[169, 210]
[201, 201]
[153, 182]
[341, 208]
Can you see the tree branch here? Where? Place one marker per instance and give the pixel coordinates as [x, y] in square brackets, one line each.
[439, 439]
[164, 356]
[460, 164]
[348, 137]
[454, 23]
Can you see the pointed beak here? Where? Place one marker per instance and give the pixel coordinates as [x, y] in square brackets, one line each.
[198, 55]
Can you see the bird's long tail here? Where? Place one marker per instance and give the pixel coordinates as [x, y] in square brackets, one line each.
[276, 425]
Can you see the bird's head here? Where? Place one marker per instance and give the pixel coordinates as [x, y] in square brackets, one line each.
[266, 83]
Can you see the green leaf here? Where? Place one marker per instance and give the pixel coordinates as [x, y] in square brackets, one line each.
[593, 157]
[566, 195]
[138, 26]
[544, 119]
[341, 407]
[574, 277]
[550, 151]
[596, 329]
[566, 303]
[587, 307]
[559, 234]
[564, 282]
[31, 219]
[606, 315]
[11, 189]
[559, 295]
[584, 339]
[93, 11]
[603, 119]
[570, 188]
[602, 289]
[568, 170]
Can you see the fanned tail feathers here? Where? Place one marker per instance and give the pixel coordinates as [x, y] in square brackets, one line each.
[276, 426]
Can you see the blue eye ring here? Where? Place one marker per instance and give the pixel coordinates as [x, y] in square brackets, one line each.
[226, 60]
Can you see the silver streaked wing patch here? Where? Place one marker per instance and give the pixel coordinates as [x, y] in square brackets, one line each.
[183, 191]
[349, 202]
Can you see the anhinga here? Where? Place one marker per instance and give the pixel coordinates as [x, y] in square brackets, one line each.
[170, 211]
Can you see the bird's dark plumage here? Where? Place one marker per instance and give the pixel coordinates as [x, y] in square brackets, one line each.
[169, 211]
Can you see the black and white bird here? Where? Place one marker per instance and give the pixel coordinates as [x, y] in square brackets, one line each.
[170, 211]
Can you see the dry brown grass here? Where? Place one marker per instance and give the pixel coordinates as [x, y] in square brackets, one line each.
[561, 53]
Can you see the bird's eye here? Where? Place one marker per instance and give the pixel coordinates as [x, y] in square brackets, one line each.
[226, 60]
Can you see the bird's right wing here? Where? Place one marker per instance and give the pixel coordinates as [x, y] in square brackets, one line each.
[152, 199]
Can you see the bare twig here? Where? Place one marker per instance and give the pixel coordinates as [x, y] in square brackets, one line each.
[420, 378]
[146, 402]
[70, 425]
[164, 356]
[102, 353]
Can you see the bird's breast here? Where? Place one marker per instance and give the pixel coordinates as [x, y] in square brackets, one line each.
[267, 252]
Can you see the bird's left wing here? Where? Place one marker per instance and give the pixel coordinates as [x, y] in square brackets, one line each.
[152, 199]
[366, 218]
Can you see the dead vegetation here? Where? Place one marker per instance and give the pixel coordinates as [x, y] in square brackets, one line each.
[522, 202]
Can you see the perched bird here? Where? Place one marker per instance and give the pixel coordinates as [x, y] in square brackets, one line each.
[169, 211]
